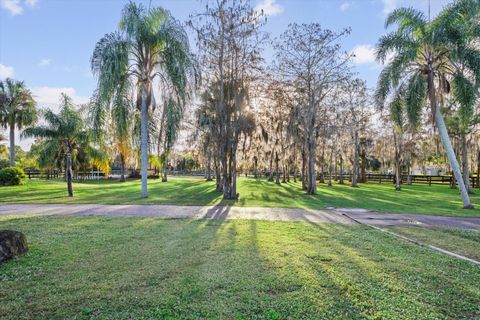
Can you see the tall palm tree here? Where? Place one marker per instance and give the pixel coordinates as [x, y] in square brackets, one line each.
[150, 44]
[65, 136]
[17, 109]
[423, 68]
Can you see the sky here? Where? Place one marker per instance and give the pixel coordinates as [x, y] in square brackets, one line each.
[48, 43]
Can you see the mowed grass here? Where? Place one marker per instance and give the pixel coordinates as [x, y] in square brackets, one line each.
[151, 268]
[423, 199]
[464, 242]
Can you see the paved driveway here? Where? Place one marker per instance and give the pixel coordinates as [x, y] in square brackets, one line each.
[256, 213]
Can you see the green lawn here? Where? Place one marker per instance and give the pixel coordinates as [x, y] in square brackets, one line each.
[150, 268]
[464, 242]
[253, 192]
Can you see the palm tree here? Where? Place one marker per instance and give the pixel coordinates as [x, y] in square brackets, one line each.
[64, 137]
[424, 68]
[17, 108]
[150, 44]
[116, 127]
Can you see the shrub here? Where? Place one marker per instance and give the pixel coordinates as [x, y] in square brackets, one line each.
[4, 163]
[12, 176]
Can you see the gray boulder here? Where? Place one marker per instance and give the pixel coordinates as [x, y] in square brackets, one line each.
[12, 244]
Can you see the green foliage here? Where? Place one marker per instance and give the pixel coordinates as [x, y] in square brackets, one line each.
[444, 48]
[65, 132]
[18, 108]
[12, 176]
[4, 163]
[150, 44]
[187, 163]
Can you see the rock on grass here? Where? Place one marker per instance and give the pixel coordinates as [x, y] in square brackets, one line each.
[12, 244]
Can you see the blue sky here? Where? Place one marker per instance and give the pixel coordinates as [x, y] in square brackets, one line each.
[48, 43]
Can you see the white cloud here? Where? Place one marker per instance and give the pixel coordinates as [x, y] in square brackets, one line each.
[269, 7]
[6, 72]
[50, 96]
[31, 3]
[345, 6]
[389, 6]
[363, 54]
[44, 62]
[12, 6]
[15, 7]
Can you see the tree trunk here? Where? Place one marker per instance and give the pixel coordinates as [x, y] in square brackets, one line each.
[355, 162]
[398, 175]
[270, 177]
[144, 141]
[398, 160]
[122, 168]
[330, 168]
[233, 188]
[218, 176]
[255, 166]
[295, 172]
[312, 178]
[277, 175]
[164, 176]
[165, 167]
[209, 167]
[68, 174]
[340, 180]
[409, 177]
[466, 170]
[304, 171]
[12, 145]
[478, 169]
[363, 175]
[442, 130]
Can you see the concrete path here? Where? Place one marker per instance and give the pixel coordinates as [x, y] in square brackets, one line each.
[229, 212]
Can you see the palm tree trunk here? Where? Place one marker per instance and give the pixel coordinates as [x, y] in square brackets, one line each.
[144, 141]
[12, 145]
[466, 171]
[68, 174]
[442, 130]
[398, 160]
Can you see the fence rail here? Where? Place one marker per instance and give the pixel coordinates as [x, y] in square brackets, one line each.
[414, 179]
[372, 177]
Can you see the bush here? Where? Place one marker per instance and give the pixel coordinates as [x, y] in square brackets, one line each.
[12, 176]
[4, 163]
